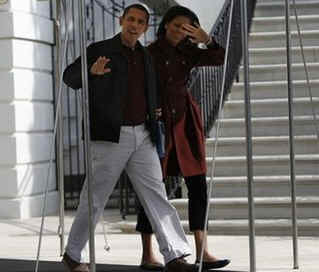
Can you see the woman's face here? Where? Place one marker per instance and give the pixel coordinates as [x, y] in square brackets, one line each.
[174, 29]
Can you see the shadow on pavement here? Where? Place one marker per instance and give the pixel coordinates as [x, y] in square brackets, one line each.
[18, 265]
[14, 265]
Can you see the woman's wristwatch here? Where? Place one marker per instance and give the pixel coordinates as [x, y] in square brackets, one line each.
[209, 41]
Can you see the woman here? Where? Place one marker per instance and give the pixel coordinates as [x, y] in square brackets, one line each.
[175, 53]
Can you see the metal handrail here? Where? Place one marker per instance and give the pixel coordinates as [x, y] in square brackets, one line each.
[205, 83]
[306, 70]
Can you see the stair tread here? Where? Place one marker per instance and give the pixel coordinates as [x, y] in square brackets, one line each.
[272, 49]
[265, 221]
[281, 65]
[269, 119]
[260, 138]
[300, 157]
[276, 83]
[282, 18]
[266, 178]
[272, 100]
[236, 221]
[275, 227]
[282, 3]
[257, 200]
[281, 33]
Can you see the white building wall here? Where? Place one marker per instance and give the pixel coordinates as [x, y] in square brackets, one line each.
[26, 108]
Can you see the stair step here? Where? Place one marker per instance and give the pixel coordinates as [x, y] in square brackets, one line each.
[267, 126]
[278, 55]
[264, 207]
[277, 8]
[265, 227]
[278, 39]
[264, 164]
[275, 89]
[271, 107]
[273, 72]
[234, 146]
[273, 227]
[272, 186]
[278, 23]
[276, 1]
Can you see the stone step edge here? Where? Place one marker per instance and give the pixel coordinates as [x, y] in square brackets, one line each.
[281, 3]
[266, 101]
[227, 140]
[299, 118]
[262, 139]
[264, 158]
[128, 226]
[281, 33]
[260, 179]
[275, 83]
[283, 49]
[281, 65]
[258, 201]
[282, 18]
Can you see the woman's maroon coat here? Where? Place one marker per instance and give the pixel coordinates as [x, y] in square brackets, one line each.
[185, 141]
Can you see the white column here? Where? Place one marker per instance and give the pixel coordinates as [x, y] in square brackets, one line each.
[26, 108]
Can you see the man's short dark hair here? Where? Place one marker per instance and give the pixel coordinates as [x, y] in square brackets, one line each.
[137, 6]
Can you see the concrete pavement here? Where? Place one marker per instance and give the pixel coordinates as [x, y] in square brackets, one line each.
[19, 240]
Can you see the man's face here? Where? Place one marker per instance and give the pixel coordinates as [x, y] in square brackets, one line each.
[134, 24]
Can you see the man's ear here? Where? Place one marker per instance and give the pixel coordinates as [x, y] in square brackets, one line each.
[121, 20]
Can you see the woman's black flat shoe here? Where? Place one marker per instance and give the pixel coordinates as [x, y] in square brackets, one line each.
[214, 265]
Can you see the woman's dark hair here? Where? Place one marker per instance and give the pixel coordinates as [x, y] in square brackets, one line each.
[171, 14]
[140, 7]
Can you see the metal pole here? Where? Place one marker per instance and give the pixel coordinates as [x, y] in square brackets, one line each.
[82, 22]
[291, 136]
[55, 131]
[210, 189]
[59, 140]
[244, 31]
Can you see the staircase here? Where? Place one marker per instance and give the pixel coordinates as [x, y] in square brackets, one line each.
[269, 106]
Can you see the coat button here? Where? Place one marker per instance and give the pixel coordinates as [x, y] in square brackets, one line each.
[173, 111]
[167, 62]
[170, 79]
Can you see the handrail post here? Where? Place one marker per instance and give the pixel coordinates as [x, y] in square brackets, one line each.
[244, 31]
[212, 172]
[291, 136]
[59, 139]
[83, 39]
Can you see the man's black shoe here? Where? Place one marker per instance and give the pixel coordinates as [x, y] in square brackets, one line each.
[73, 266]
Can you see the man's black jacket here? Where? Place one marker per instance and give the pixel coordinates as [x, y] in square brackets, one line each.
[107, 92]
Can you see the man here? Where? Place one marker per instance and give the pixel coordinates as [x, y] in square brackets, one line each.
[122, 102]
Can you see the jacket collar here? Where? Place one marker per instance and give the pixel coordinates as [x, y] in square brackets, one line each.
[167, 49]
[164, 45]
[117, 45]
[184, 48]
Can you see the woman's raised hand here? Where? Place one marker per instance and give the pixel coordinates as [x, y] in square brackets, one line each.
[196, 33]
[98, 68]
